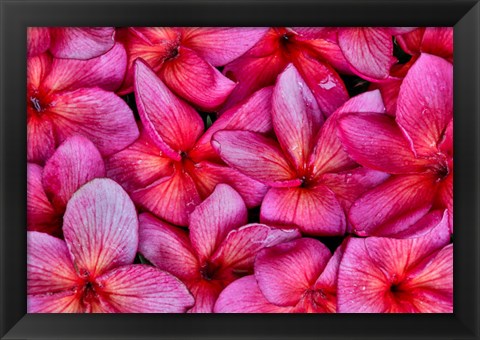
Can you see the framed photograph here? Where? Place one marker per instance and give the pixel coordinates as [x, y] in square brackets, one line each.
[205, 170]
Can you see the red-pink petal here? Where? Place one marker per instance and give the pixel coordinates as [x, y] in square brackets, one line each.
[296, 116]
[286, 271]
[223, 211]
[369, 51]
[81, 42]
[40, 139]
[171, 123]
[205, 294]
[38, 40]
[438, 41]
[37, 69]
[74, 163]
[167, 247]
[221, 45]
[62, 302]
[423, 225]
[411, 42]
[100, 227]
[256, 156]
[327, 50]
[425, 102]
[195, 80]
[144, 289]
[315, 210]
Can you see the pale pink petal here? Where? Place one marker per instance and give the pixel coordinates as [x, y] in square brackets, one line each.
[223, 211]
[100, 227]
[438, 41]
[195, 80]
[74, 163]
[144, 289]
[172, 198]
[369, 51]
[296, 116]
[101, 116]
[256, 156]
[81, 42]
[40, 139]
[244, 296]
[425, 102]
[375, 141]
[171, 123]
[167, 247]
[221, 45]
[67, 301]
[314, 210]
[205, 294]
[38, 40]
[286, 271]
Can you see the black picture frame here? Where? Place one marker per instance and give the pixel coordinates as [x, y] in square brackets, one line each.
[16, 15]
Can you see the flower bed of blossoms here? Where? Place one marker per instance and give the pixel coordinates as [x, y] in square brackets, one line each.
[240, 170]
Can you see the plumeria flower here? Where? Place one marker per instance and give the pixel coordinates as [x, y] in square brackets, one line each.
[388, 275]
[312, 179]
[70, 42]
[218, 249]
[68, 96]
[314, 53]
[299, 276]
[92, 270]
[74, 163]
[172, 167]
[185, 58]
[416, 148]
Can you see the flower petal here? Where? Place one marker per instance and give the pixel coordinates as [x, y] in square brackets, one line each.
[221, 45]
[194, 79]
[62, 302]
[315, 211]
[256, 156]
[438, 41]
[100, 227]
[40, 139]
[171, 123]
[74, 163]
[81, 42]
[205, 294]
[223, 211]
[425, 102]
[38, 40]
[144, 289]
[286, 271]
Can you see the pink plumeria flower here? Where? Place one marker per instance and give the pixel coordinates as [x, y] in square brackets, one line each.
[218, 249]
[92, 270]
[70, 42]
[172, 167]
[299, 276]
[314, 53]
[312, 179]
[185, 58]
[69, 96]
[388, 275]
[74, 163]
[416, 148]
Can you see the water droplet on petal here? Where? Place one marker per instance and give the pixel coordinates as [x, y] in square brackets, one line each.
[327, 83]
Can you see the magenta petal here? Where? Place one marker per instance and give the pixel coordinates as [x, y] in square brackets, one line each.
[81, 42]
[38, 40]
[171, 123]
[144, 289]
[256, 156]
[167, 247]
[369, 51]
[223, 211]
[40, 139]
[423, 225]
[286, 271]
[315, 211]
[100, 227]
[62, 302]
[295, 115]
[194, 79]
[205, 294]
[221, 45]
[438, 41]
[244, 296]
[74, 163]
[425, 102]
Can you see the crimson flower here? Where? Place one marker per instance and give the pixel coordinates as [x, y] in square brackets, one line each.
[69, 96]
[416, 148]
[218, 249]
[185, 58]
[312, 179]
[172, 167]
[74, 163]
[92, 270]
[70, 42]
[299, 276]
[388, 275]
